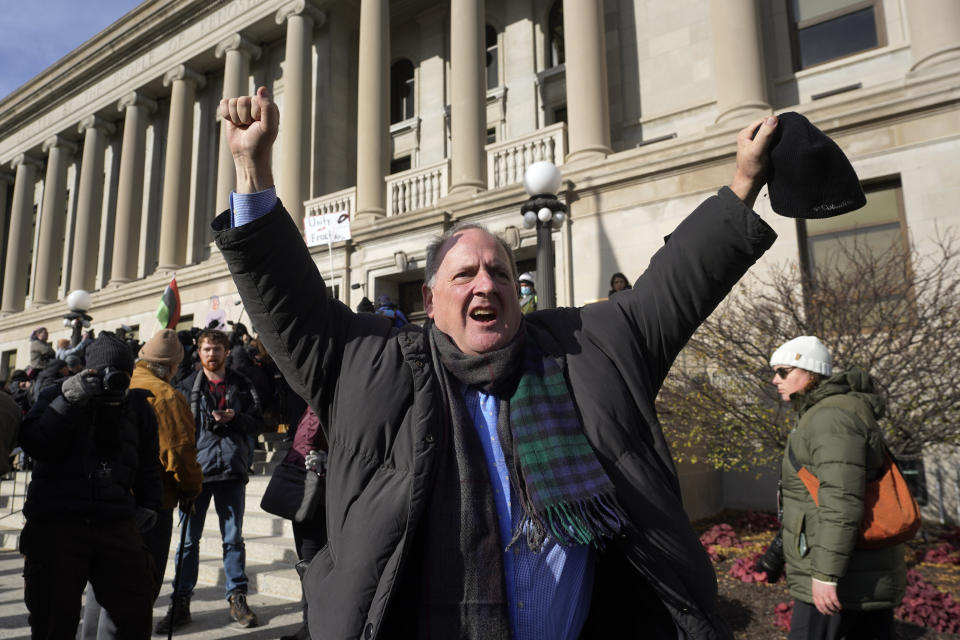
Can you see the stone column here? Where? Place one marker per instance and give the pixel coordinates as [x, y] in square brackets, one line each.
[934, 32]
[184, 83]
[373, 110]
[18, 238]
[53, 219]
[468, 103]
[588, 106]
[86, 233]
[741, 83]
[293, 179]
[237, 51]
[431, 93]
[126, 230]
[6, 180]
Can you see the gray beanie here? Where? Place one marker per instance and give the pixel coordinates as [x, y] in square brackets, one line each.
[109, 351]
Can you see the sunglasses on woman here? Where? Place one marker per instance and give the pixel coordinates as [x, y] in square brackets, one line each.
[783, 372]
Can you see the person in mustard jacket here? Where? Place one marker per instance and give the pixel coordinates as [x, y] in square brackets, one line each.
[182, 477]
[840, 591]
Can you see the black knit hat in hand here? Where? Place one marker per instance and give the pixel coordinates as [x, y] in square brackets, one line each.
[809, 175]
[109, 351]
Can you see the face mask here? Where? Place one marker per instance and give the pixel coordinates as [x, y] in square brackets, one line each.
[525, 290]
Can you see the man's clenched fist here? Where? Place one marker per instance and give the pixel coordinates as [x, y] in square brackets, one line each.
[252, 123]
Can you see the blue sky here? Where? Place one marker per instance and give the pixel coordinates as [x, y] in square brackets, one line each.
[34, 34]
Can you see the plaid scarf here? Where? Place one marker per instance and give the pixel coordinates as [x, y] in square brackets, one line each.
[563, 490]
[567, 492]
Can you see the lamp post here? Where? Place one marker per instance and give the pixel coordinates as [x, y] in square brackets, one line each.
[78, 302]
[541, 181]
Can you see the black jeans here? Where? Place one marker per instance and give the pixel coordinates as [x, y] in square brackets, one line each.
[809, 624]
[61, 557]
[309, 537]
[157, 540]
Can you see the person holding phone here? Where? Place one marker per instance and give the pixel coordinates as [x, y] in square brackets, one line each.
[226, 410]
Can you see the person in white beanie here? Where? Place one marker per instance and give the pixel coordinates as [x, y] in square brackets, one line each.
[840, 591]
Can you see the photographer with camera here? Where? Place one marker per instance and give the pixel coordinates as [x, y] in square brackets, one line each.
[226, 411]
[95, 487]
[843, 588]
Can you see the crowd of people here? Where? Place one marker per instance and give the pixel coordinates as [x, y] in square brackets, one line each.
[121, 435]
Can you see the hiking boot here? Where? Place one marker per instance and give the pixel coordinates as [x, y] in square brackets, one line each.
[177, 616]
[240, 612]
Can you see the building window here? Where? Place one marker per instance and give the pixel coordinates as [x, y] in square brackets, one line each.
[185, 323]
[401, 91]
[914, 473]
[555, 34]
[491, 135]
[410, 298]
[559, 114]
[8, 362]
[400, 164]
[333, 292]
[493, 61]
[872, 240]
[824, 30]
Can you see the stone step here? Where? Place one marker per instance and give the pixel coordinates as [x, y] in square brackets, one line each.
[14, 483]
[279, 580]
[10, 503]
[259, 549]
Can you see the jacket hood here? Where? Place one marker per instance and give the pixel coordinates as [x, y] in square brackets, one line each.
[853, 381]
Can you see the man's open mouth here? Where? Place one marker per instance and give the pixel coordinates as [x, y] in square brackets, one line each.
[483, 315]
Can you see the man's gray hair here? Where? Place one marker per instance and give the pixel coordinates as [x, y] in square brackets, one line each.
[162, 371]
[435, 250]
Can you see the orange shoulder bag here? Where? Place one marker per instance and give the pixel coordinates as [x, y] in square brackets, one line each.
[890, 514]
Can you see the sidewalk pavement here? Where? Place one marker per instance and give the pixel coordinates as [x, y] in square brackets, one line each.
[209, 609]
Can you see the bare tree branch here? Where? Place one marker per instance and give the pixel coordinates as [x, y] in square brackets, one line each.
[896, 316]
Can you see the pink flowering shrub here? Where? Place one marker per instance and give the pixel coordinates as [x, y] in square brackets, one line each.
[946, 553]
[782, 614]
[743, 569]
[927, 606]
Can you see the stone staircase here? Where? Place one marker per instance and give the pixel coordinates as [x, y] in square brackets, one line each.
[271, 555]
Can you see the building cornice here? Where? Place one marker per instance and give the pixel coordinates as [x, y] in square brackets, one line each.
[134, 33]
[130, 55]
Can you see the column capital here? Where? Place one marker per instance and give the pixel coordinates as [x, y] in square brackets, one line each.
[304, 8]
[136, 99]
[27, 160]
[59, 141]
[96, 122]
[186, 74]
[237, 42]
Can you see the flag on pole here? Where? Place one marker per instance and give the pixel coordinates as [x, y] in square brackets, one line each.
[168, 313]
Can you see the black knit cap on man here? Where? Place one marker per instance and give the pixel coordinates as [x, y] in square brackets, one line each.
[95, 487]
[810, 176]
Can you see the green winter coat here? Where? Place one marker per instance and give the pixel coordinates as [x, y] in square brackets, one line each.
[837, 440]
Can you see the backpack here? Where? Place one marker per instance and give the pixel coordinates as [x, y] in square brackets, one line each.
[890, 514]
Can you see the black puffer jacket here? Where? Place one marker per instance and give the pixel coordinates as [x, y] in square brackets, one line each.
[91, 463]
[377, 399]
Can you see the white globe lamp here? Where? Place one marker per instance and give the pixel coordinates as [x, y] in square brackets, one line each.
[541, 178]
[78, 300]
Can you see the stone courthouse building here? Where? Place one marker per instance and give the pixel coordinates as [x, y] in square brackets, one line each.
[412, 114]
